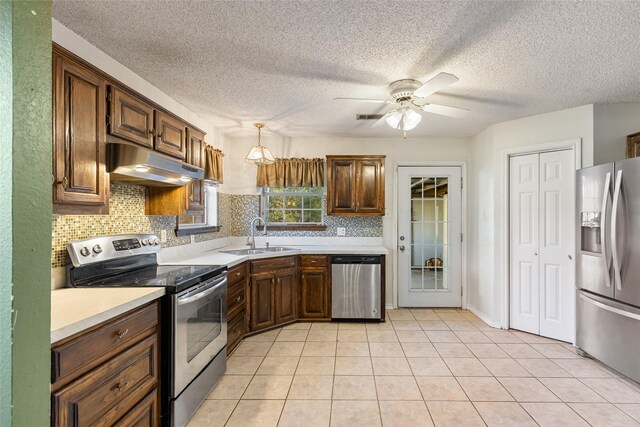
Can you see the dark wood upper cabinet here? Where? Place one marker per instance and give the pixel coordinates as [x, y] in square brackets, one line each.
[80, 181]
[130, 118]
[633, 145]
[195, 156]
[355, 185]
[170, 135]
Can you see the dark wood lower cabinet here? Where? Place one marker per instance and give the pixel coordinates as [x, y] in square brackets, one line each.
[122, 390]
[262, 298]
[286, 296]
[315, 293]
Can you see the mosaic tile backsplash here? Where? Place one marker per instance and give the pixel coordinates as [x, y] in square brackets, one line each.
[126, 215]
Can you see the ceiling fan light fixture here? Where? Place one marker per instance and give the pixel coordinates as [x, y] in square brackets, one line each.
[403, 119]
[259, 155]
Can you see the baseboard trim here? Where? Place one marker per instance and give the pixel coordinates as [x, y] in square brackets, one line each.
[483, 317]
[389, 307]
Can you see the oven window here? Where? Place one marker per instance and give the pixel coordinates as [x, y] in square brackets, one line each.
[203, 327]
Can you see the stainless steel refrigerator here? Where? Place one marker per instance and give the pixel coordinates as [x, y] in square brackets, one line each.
[608, 265]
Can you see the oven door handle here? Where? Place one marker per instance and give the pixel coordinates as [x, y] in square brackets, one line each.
[195, 297]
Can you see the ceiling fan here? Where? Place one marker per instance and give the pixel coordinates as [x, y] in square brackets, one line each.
[410, 94]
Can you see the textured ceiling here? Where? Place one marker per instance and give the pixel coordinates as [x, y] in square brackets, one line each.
[283, 62]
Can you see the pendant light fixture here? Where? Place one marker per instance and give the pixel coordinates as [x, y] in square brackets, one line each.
[259, 155]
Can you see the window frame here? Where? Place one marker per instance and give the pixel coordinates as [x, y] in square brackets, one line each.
[285, 226]
[211, 225]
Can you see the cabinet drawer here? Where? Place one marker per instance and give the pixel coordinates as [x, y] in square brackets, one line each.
[236, 299]
[145, 414]
[235, 330]
[272, 264]
[236, 274]
[314, 260]
[107, 393]
[77, 356]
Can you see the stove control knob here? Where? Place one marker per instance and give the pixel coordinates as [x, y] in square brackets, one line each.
[97, 249]
[145, 242]
[84, 251]
[156, 241]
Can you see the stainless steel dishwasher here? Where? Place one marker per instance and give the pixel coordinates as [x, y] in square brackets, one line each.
[355, 287]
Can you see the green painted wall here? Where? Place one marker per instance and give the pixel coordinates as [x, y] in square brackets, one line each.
[5, 212]
[31, 216]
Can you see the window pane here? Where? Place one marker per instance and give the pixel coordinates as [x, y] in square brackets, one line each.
[275, 216]
[292, 216]
[313, 202]
[312, 216]
[292, 202]
[276, 202]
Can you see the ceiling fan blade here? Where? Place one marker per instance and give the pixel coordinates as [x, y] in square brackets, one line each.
[444, 110]
[383, 120]
[437, 83]
[375, 101]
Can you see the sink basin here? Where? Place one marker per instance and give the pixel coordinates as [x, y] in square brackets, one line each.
[245, 251]
[277, 249]
[258, 250]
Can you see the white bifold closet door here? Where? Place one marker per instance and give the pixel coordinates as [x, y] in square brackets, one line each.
[541, 222]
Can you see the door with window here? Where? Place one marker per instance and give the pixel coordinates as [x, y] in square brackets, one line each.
[542, 227]
[429, 236]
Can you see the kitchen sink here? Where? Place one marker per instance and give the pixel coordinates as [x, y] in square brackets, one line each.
[258, 250]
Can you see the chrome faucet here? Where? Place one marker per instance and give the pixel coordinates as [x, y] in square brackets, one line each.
[251, 240]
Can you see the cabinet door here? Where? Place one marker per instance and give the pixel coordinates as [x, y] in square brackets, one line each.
[130, 118]
[262, 301]
[170, 135]
[286, 296]
[341, 186]
[370, 187]
[195, 157]
[315, 293]
[80, 181]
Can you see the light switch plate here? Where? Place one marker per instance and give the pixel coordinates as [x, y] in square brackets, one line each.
[163, 236]
[342, 231]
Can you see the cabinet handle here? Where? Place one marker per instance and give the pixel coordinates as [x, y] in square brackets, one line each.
[121, 387]
[238, 298]
[191, 197]
[122, 334]
[150, 132]
[238, 274]
[64, 182]
[160, 135]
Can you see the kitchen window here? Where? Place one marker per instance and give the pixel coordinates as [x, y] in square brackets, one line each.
[205, 221]
[293, 208]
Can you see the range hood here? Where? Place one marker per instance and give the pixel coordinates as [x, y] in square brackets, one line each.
[142, 166]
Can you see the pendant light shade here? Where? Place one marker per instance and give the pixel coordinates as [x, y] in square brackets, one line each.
[259, 155]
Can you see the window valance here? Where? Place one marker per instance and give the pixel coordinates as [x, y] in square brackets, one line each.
[213, 164]
[292, 173]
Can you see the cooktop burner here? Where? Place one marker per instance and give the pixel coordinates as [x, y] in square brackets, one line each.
[130, 261]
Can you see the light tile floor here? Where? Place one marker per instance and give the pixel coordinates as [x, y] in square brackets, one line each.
[425, 367]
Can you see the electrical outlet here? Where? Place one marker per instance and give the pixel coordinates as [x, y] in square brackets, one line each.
[163, 236]
[342, 231]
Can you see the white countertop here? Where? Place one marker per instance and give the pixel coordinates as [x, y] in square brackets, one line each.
[218, 257]
[76, 309]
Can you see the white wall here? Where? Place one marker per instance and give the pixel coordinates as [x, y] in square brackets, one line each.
[487, 253]
[611, 125]
[240, 177]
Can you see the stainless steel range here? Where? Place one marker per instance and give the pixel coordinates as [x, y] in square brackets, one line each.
[194, 323]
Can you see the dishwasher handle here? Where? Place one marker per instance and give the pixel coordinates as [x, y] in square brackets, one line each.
[355, 259]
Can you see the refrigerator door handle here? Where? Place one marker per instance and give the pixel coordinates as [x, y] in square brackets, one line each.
[614, 229]
[610, 308]
[603, 229]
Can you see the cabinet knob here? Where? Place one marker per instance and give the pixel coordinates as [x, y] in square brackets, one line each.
[238, 298]
[122, 334]
[64, 182]
[120, 386]
[191, 197]
[238, 274]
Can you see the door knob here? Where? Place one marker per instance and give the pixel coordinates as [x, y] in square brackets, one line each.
[401, 247]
